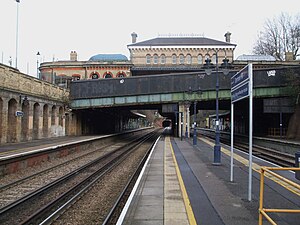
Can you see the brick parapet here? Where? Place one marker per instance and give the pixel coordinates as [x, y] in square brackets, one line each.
[12, 79]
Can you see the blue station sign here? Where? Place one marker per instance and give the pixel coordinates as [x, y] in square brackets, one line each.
[240, 77]
[240, 92]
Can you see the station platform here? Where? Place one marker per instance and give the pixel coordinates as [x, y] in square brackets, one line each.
[180, 185]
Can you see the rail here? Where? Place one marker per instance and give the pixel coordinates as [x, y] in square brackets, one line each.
[294, 187]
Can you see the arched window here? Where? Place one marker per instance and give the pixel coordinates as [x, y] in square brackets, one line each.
[75, 77]
[107, 75]
[162, 59]
[181, 59]
[214, 59]
[121, 74]
[189, 59]
[174, 59]
[200, 59]
[94, 75]
[148, 59]
[155, 59]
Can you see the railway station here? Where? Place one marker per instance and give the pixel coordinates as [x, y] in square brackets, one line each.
[179, 134]
[177, 183]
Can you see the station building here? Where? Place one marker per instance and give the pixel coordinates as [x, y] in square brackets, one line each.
[97, 67]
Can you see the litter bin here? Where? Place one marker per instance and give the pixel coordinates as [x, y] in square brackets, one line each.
[297, 165]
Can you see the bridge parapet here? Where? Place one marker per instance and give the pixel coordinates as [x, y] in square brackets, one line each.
[12, 79]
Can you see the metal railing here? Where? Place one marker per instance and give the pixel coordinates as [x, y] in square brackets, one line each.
[293, 187]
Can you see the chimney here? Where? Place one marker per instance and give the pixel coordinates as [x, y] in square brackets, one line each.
[73, 56]
[289, 56]
[227, 36]
[133, 37]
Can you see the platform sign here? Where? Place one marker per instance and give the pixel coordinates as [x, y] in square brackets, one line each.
[240, 77]
[240, 92]
[241, 87]
[19, 114]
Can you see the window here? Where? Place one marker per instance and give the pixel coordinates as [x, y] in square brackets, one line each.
[121, 74]
[181, 59]
[75, 77]
[162, 59]
[148, 59]
[108, 75]
[94, 75]
[214, 59]
[174, 59]
[200, 59]
[189, 59]
[155, 59]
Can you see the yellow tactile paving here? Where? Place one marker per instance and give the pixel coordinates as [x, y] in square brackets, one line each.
[177, 208]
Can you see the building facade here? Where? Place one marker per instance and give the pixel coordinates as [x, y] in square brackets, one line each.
[171, 54]
[97, 67]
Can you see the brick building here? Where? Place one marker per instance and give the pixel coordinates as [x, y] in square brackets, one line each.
[97, 67]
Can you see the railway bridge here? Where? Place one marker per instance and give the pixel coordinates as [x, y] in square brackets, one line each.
[174, 93]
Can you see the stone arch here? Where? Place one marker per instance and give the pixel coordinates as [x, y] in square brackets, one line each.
[1, 118]
[36, 121]
[25, 121]
[12, 121]
[45, 120]
[60, 116]
[53, 115]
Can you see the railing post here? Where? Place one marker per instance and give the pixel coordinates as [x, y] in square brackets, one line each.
[261, 195]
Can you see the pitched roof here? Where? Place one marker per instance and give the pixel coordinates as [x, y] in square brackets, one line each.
[180, 41]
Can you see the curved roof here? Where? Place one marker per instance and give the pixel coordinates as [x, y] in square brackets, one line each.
[108, 57]
[256, 58]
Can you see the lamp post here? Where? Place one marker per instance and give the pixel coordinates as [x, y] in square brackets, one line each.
[195, 130]
[37, 64]
[208, 67]
[17, 33]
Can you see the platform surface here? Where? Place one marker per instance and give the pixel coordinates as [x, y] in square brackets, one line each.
[212, 199]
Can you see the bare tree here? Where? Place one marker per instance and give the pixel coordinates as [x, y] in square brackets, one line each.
[280, 35]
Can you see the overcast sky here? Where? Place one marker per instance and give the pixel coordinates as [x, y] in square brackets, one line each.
[56, 27]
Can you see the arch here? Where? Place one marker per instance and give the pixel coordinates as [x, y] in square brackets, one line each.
[36, 121]
[148, 59]
[107, 75]
[94, 75]
[121, 74]
[200, 59]
[214, 59]
[12, 121]
[45, 120]
[181, 59]
[174, 59]
[1, 118]
[76, 77]
[53, 115]
[189, 59]
[25, 121]
[60, 116]
[163, 59]
[155, 59]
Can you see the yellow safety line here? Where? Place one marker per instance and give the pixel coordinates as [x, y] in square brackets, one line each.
[186, 199]
[255, 167]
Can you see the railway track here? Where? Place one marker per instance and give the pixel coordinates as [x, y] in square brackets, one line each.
[281, 158]
[47, 202]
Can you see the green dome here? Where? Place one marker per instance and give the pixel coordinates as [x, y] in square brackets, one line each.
[108, 57]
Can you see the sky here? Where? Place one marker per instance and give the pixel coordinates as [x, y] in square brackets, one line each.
[54, 28]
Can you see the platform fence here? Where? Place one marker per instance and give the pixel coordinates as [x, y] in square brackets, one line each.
[288, 184]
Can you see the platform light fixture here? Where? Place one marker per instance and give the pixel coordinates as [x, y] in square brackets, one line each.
[225, 68]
